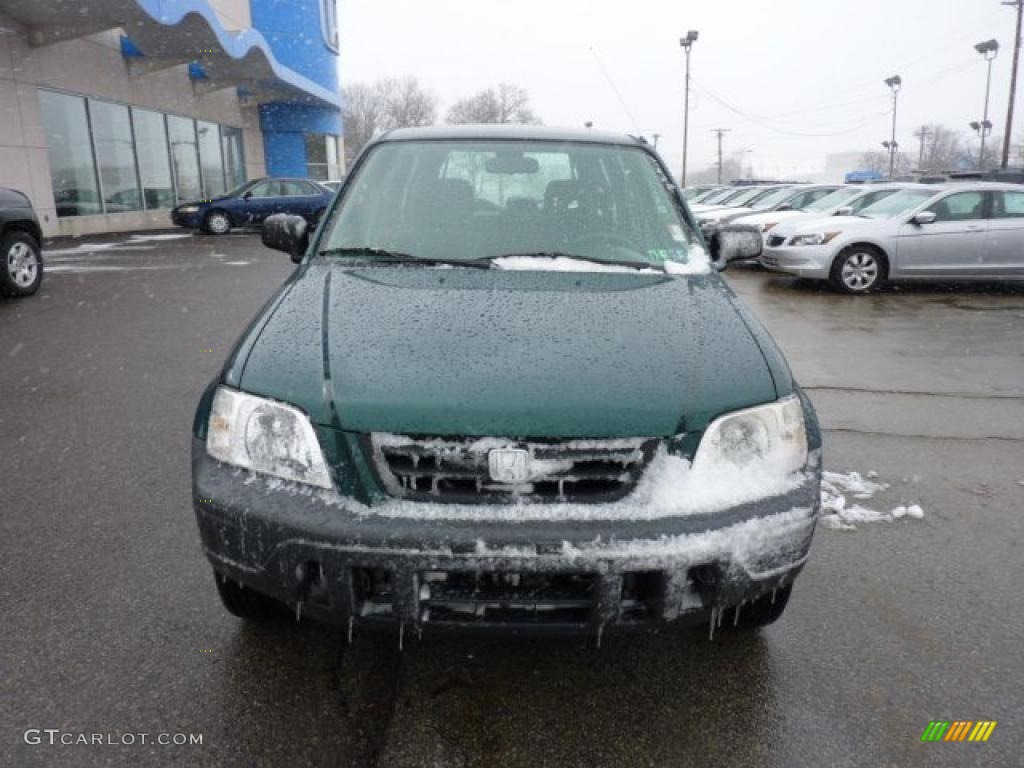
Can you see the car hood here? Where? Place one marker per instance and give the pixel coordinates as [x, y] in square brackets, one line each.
[830, 223]
[529, 354]
[765, 217]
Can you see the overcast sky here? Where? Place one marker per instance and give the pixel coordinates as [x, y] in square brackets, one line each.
[779, 74]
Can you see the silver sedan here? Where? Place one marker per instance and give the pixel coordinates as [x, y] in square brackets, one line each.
[963, 231]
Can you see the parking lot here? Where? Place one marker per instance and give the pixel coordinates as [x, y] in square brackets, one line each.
[111, 622]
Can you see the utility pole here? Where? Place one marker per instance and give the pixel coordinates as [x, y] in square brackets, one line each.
[687, 43]
[1019, 5]
[922, 133]
[721, 132]
[895, 83]
[656, 136]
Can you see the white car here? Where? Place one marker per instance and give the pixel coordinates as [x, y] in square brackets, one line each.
[782, 199]
[934, 232]
[729, 199]
[843, 201]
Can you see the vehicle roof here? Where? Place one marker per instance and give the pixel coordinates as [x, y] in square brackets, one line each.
[509, 133]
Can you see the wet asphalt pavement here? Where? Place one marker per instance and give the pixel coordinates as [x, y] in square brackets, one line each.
[109, 621]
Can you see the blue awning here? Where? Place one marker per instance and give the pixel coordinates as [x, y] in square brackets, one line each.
[170, 32]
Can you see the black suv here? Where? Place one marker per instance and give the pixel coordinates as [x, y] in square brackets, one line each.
[21, 269]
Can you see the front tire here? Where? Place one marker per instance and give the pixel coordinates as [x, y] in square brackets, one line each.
[858, 269]
[217, 223]
[21, 264]
[246, 603]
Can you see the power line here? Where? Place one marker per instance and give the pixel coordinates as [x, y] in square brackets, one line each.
[763, 124]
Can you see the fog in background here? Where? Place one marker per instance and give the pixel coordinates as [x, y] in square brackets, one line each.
[794, 80]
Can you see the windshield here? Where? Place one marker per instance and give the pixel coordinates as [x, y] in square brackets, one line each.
[716, 196]
[832, 200]
[239, 190]
[469, 200]
[897, 204]
[773, 197]
[744, 197]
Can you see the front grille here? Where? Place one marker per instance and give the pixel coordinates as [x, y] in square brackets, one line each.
[457, 469]
[776, 241]
[534, 598]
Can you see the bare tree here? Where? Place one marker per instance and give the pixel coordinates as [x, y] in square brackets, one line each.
[878, 161]
[381, 106]
[506, 104]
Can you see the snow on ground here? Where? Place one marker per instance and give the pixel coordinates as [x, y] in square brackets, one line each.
[841, 514]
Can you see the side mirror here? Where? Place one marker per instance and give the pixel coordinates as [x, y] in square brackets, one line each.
[785, 207]
[924, 217]
[288, 233]
[733, 242]
[247, 195]
[845, 210]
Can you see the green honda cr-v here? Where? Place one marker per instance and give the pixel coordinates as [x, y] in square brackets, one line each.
[506, 389]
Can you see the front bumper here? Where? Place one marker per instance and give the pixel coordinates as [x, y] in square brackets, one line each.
[190, 220]
[813, 261]
[346, 565]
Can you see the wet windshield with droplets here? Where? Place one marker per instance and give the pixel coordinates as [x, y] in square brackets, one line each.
[471, 200]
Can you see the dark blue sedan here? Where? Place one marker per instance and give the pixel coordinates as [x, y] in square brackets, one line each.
[249, 204]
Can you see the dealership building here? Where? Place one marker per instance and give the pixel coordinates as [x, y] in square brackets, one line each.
[112, 111]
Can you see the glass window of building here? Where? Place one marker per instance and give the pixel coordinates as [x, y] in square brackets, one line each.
[329, 23]
[72, 165]
[322, 157]
[115, 154]
[184, 157]
[210, 159]
[234, 159]
[154, 162]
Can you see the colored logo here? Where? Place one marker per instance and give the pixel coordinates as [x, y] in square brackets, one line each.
[958, 730]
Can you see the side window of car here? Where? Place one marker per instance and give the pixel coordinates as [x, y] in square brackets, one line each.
[963, 206]
[264, 189]
[295, 189]
[1009, 205]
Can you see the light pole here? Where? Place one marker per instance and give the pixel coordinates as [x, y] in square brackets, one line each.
[894, 83]
[1019, 5]
[988, 50]
[656, 136]
[687, 43]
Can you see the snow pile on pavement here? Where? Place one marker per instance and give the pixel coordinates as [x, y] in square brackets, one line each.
[841, 515]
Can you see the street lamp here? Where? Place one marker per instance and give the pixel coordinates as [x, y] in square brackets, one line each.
[988, 50]
[686, 43]
[895, 83]
[1019, 6]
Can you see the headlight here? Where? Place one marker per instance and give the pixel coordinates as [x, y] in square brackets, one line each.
[265, 436]
[770, 437]
[188, 209]
[818, 238]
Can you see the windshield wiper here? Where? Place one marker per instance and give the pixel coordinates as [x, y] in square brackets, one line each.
[559, 255]
[398, 257]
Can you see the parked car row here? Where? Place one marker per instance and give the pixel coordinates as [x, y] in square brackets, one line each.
[858, 237]
[250, 203]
